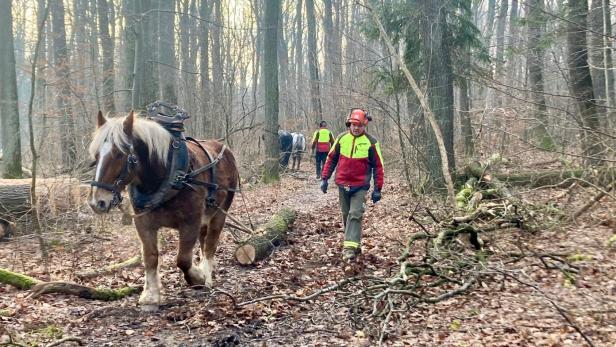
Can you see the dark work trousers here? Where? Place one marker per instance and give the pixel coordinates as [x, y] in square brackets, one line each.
[320, 161]
[352, 205]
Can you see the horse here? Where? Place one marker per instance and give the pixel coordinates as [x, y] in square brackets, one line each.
[134, 152]
[299, 147]
[285, 144]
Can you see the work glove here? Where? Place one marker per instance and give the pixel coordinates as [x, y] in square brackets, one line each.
[324, 186]
[376, 196]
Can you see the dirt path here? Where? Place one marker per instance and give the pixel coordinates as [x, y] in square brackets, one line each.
[498, 312]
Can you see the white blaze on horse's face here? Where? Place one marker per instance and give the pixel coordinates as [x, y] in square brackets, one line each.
[100, 199]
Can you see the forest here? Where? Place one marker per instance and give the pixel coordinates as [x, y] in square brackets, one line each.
[496, 120]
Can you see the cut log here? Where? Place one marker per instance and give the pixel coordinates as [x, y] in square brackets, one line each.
[261, 244]
[25, 282]
[55, 195]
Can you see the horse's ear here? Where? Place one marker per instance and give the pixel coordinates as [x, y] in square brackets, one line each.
[128, 124]
[100, 119]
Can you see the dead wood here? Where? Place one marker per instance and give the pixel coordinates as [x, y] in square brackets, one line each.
[260, 245]
[54, 195]
[534, 179]
[38, 287]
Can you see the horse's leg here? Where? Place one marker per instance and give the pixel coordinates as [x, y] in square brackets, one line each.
[150, 298]
[184, 260]
[209, 243]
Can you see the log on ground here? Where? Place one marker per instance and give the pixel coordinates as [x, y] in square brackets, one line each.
[55, 195]
[261, 244]
[38, 287]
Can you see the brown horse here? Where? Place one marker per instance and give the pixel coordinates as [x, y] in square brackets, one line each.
[133, 152]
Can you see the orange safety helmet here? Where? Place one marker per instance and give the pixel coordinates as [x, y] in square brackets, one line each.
[358, 116]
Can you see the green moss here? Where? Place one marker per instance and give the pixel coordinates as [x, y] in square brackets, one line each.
[52, 332]
[16, 279]
[107, 294]
[579, 257]
[611, 241]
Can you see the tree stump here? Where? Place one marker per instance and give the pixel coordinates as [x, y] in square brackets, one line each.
[261, 244]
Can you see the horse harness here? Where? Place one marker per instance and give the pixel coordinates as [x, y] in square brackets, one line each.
[180, 175]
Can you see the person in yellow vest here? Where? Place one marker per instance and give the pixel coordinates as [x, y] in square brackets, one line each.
[358, 158]
[322, 141]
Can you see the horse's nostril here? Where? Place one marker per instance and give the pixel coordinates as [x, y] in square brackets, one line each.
[100, 204]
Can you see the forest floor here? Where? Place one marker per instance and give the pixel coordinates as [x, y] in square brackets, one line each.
[496, 311]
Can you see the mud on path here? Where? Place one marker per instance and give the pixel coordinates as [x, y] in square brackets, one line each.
[495, 313]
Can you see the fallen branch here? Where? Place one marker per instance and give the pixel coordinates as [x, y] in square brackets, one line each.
[66, 339]
[38, 287]
[129, 263]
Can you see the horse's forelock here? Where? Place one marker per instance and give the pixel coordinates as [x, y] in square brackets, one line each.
[155, 137]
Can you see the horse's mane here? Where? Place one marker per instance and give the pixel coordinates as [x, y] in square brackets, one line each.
[155, 137]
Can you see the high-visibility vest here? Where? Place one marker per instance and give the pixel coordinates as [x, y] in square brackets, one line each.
[322, 136]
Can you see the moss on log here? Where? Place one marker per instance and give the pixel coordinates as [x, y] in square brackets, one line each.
[104, 294]
[17, 280]
[25, 282]
[261, 244]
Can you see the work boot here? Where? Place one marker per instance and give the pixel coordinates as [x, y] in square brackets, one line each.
[349, 255]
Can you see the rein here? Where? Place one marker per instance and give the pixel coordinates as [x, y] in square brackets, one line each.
[118, 185]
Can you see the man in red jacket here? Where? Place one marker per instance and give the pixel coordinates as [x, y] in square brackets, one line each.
[358, 158]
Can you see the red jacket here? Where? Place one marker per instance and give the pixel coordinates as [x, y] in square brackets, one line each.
[358, 159]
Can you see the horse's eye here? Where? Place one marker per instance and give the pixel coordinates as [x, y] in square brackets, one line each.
[92, 164]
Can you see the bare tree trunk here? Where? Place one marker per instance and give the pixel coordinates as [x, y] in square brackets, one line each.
[534, 61]
[62, 63]
[108, 55]
[596, 50]
[204, 41]
[217, 67]
[283, 70]
[10, 166]
[166, 50]
[500, 49]
[439, 80]
[581, 82]
[299, 55]
[313, 64]
[607, 51]
[270, 83]
[127, 67]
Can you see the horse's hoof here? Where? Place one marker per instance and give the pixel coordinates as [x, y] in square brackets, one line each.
[149, 308]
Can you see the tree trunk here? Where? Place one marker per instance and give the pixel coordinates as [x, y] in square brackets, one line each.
[145, 84]
[513, 41]
[10, 166]
[596, 50]
[166, 51]
[63, 100]
[607, 51]
[261, 244]
[299, 56]
[313, 63]
[108, 55]
[534, 60]
[128, 51]
[581, 83]
[217, 68]
[270, 83]
[500, 49]
[439, 80]
[204, 65]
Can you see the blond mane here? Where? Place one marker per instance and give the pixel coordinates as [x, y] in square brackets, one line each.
[155, 137]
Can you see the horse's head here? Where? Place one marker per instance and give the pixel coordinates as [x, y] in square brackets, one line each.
[114, 156]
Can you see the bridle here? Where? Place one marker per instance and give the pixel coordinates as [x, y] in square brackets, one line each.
[120, 182]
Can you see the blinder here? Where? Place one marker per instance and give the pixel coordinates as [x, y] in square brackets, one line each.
[120, 182]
